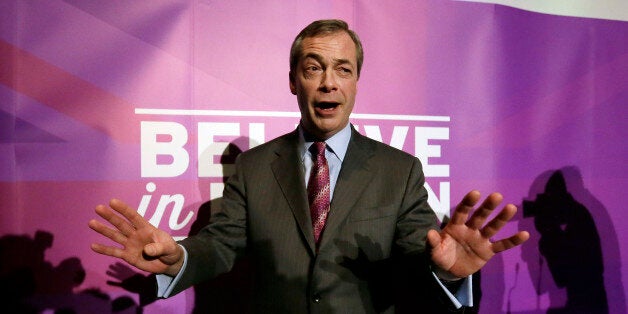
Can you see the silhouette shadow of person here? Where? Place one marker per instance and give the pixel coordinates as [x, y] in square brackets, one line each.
[569, 244]
[29, 283]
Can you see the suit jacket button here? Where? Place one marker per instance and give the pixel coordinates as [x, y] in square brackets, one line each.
[316, 298]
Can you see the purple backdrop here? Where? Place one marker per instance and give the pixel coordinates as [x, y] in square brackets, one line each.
[150, 101]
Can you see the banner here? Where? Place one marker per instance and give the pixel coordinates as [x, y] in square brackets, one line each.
[150, 102]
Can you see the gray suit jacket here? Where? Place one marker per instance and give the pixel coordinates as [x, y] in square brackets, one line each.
[372, 249]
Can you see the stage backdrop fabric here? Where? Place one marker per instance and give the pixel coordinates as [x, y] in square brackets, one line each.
[150, 102]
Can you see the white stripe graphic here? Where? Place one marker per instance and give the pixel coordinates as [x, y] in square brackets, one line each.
[281, 114]
[600, 9]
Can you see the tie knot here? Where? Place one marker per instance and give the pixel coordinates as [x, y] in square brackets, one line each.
[318, 148]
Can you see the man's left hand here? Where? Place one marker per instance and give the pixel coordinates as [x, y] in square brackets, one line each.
[464, 246]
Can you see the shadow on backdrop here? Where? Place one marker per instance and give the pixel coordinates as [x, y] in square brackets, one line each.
[228, 293]
[567, 245]
[31, 284]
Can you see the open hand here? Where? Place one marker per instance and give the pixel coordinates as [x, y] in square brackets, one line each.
[464, 246]
[143, 246]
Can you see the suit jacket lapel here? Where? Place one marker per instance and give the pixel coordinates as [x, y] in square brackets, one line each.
[288, 174]
[355, 175]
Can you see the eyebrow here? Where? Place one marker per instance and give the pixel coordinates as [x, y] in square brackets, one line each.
[320, 59]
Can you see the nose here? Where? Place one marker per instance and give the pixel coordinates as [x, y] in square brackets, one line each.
[328, 81]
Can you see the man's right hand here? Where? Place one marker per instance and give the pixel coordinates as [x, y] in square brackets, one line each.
[143, 245]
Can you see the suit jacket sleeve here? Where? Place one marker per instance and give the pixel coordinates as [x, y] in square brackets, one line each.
[214, 250]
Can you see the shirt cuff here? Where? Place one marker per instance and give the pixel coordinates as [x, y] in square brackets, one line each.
[166, 283]
[464, 295]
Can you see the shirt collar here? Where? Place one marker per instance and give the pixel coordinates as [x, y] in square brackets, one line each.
[337, 144]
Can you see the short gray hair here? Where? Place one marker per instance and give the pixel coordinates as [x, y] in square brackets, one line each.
[324, 27]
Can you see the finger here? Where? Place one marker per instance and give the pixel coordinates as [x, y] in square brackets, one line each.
[508, 243]
[499, 221]
[122, 225]
[129, 213]
[464, 208]
[161, 250]
[433, 238]
[481, 214]
[114, 235]
[114, 283]
[115, 267]
[120, 268]
[107, 250]
[154, 249]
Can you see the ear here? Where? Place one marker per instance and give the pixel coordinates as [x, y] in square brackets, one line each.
[293, 88]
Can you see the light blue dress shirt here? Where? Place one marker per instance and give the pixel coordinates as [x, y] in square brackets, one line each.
[334, 153]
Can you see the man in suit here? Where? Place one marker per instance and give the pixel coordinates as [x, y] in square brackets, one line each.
[360, 242]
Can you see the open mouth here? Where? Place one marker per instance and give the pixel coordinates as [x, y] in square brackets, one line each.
[327, 105]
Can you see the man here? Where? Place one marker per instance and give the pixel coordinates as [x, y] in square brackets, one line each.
[345, 228]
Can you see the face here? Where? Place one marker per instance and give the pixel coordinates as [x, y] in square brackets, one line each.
[325, 83]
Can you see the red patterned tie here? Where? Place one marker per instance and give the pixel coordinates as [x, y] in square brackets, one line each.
[318, 189]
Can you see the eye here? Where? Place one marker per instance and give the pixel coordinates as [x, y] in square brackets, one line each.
[312, 68]
[346, 71]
